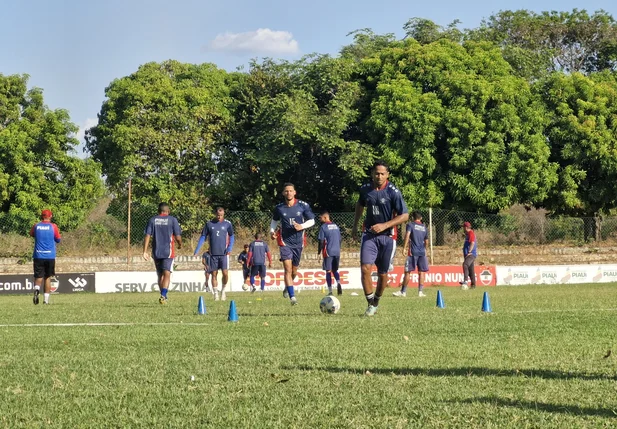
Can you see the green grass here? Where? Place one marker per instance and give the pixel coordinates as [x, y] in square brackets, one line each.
[536, 361]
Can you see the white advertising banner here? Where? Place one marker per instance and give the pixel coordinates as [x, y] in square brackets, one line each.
[555, 274]
[194, 281]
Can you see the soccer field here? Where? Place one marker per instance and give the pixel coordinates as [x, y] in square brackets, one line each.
[539, 360]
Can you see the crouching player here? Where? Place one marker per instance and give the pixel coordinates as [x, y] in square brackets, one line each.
[258, 251]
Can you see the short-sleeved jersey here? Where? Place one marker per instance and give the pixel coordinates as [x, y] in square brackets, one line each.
[46, 235]
[418, 232]
[162, 229]
[382, 205]
[299, 212]
[258, 251]
[218, 234]
[470, 237]
[243, 258]
[330, 239]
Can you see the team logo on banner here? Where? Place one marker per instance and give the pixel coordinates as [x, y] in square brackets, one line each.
[486, 277]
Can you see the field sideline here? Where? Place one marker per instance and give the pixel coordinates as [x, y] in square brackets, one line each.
[539, 360]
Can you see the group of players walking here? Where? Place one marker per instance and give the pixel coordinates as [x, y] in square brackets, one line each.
[385, 210]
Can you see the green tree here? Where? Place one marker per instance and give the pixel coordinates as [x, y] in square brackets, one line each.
[163, 127]
[582, 133]
[536, 44]
[291, 124]
[425, 31]
[38, 163]
[460, 131]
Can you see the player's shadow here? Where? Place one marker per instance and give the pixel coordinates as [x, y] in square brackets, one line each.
[470, 371]
[540, 406]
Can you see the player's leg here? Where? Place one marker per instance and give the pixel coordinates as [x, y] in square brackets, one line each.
[254, 269]
[50, 271]
[465, 282]
[368, 255]
[405, 282]
[335, 273]
[288, 267]
[214, 276]
[39, 276]
[326, 265]
[422, 264]
[207, 280]
[285, 254]
[472, 271]
[225, 276]
[262, 277]
[386, 247]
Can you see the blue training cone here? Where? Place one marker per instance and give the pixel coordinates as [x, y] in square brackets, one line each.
[440, 303]
[233, 313]
[201, 306]
[486, 303]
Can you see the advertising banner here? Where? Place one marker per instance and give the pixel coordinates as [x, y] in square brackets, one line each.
[64, 283]
[555, 274]
[441, 275]
[194, 281]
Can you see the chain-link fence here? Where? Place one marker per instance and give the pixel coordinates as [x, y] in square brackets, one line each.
[107, 229]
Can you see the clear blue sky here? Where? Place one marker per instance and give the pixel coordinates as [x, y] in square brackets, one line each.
[74, 48]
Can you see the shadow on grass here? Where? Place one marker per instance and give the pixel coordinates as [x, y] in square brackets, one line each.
[463, 372]
[541, 406]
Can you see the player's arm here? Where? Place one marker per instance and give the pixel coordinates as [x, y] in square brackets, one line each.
[310, 219]
[146, 244]
[273, 227]
[269, 255]
[232, 238]
[356, 219]
[400, 209]
[202, 240]
[177, 234]
[32, 231]
[406, 242]
[57, 237]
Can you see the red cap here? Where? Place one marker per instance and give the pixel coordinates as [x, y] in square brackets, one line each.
[467, 225]
[46, 213]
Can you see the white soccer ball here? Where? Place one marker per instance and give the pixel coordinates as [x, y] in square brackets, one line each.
[245, 287]
[330, 305]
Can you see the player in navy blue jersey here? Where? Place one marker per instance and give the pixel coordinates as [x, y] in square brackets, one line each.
[164, 231]
[220, 234]
[329, 247]
[416, 240]
[257, 254]
[243, 259]
[294, 217]
[46, 235]
[385, 210]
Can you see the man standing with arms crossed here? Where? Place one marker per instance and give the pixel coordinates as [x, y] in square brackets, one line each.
[256, 261]
[329, 247]
[385, 210]
[417, 234]
[294, 217]
[221, 235]
[46, 234]
[164, 230]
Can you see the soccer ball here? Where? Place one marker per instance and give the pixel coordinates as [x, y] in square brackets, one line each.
[329, 305]
[245, 287]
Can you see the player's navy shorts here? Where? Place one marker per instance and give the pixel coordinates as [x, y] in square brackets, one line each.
[330, 263]
[44, 268]
[165, 264]
[258, 269]
[246, 272]
[219, 262]
[419, 262]
[378, 250]
[293, 253]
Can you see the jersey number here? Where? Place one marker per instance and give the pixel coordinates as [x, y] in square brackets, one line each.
[376, 211]
[218, 233]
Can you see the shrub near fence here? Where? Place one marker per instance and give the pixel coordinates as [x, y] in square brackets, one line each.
[105, 230]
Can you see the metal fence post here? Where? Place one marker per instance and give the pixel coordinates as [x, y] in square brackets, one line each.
[430, 228]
